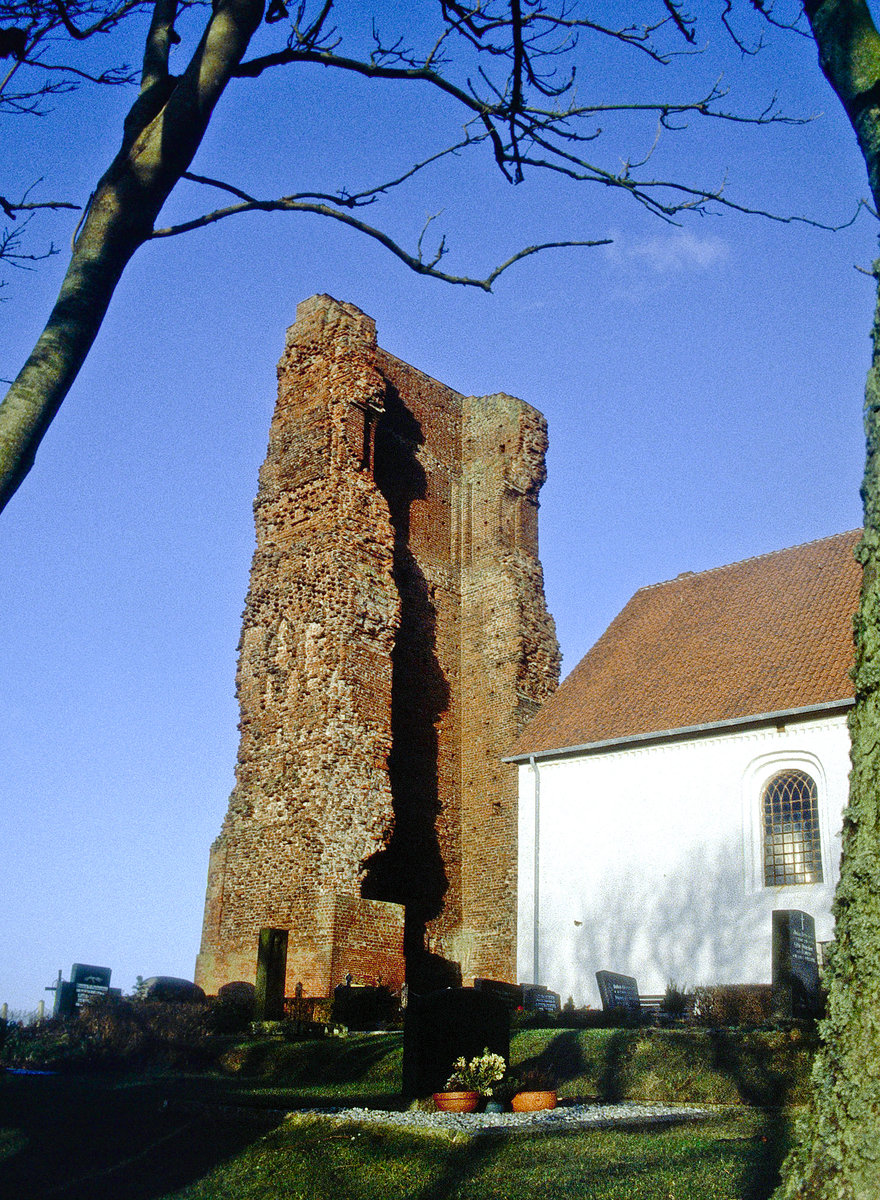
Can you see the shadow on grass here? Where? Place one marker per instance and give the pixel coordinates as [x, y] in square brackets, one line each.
[325, 1062]
[563, 1056]
[751, 1070]
[78, 1138]
[761, 1175]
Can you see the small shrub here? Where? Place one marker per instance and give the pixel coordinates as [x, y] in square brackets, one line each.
[734, 1004]
[228, 1015]
[676, 1001]
[534, 1079]
[113, 1033]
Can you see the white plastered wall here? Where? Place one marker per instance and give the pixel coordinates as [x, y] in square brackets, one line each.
[650, 858]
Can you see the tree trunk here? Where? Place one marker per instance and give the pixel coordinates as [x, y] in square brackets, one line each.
[838, 1152]
[163, 130]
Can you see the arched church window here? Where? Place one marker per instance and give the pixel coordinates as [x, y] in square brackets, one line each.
[792, 847]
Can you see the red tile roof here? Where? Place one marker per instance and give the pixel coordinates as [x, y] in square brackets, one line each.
[766, 635]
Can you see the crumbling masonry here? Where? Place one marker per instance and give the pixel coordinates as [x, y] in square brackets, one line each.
[395, 641]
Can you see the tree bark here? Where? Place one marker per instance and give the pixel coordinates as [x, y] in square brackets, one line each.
[838, 1152]
[162, 132]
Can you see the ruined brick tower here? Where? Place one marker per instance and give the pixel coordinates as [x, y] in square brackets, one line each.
[395, 641]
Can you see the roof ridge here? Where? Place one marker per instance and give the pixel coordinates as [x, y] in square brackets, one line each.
[742, 561]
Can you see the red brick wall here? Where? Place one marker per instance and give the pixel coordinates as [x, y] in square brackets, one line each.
[395, 640]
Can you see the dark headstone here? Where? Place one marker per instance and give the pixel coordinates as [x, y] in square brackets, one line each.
[444, 1026]
[619, 993]
[89, 983]
[796, 990]
[538, 998]
[65, 999]
[271, 975]
[82, 975]
[510, 993]
[166, 987]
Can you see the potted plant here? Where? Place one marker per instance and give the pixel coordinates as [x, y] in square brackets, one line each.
[533, 1089]
[470, 1082]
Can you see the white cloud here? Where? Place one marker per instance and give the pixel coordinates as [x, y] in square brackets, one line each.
[671, 252]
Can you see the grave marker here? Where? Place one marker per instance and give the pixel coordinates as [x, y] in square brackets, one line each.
[510, 993]
[796, 991]
[271, 975]
[619, 993]
[444, 1026]
[538, 998]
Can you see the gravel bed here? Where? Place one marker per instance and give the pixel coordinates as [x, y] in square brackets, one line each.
[565, 1117]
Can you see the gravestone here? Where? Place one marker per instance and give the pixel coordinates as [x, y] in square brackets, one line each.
[89, 982]
[619, 993]
[86, 983]
[65, 999]
[538, 998]
[444, 1026]
[796, 991]
[271, 975]
[511, 994]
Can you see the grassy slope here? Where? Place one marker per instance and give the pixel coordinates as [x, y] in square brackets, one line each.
[732, 1159]
[682, 1066]
[212, 1136]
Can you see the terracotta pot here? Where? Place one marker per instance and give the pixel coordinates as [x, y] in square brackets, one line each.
[457, 1101]
[533, 1101]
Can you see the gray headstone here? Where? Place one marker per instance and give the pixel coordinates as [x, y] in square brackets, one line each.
[796, 991]
[538, 998]
[619, 993]
[271, 975]
[443, 1026]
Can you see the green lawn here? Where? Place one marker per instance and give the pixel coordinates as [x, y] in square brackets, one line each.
[697, 1066]
[210, 1137]
[725, 1159]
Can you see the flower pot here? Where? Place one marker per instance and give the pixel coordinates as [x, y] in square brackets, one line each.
[457, 1101]
[533, 1101]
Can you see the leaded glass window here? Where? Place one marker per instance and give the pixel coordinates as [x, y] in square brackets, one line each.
[792, 848]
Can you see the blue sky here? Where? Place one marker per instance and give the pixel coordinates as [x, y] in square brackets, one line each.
[702, 385]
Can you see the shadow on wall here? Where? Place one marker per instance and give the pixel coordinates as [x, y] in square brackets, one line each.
[695, 927]
[409, 870]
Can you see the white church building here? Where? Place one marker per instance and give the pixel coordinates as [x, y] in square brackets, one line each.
[688, 777]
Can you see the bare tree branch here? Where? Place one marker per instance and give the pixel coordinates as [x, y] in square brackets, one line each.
[505, 69]
[414, 261]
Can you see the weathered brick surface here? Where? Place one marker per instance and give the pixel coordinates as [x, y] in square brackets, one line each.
[395, 640]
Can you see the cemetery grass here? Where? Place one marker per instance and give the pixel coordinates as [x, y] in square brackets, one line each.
[228, 1134]
[167, 1138]
[765, 1069]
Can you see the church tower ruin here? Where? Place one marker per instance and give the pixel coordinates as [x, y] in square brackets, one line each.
[395, 641]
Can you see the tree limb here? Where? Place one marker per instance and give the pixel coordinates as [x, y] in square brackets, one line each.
[414, 262]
